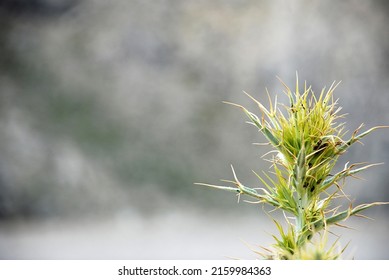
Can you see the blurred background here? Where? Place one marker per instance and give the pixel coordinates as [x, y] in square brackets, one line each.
[111, 110]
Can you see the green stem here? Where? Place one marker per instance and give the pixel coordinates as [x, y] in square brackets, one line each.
[301, 219]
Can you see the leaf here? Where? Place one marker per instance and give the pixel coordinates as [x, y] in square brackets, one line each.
[231, 189]
[352, 211]
[354, 138]
[254, 118]
[343, 174]
[241, 189]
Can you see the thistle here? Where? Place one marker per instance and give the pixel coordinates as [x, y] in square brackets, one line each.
[308, 139]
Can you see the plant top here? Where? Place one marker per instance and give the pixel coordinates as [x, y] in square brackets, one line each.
[308, 138]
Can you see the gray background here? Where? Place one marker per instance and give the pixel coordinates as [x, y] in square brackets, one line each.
[111, 110]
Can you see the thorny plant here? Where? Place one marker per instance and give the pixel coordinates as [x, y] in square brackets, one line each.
[308, 140]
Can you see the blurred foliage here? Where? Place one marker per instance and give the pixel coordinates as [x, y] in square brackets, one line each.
[117, 104]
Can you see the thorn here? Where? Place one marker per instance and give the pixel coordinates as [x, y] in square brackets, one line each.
[363, 216]
[233, 104]
[233, 172]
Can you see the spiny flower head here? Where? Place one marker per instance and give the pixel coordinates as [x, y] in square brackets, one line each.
[308, 140]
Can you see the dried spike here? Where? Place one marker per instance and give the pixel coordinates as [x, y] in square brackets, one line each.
[261, 107]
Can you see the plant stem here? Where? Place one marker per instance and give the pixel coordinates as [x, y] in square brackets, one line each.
[301, 219]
